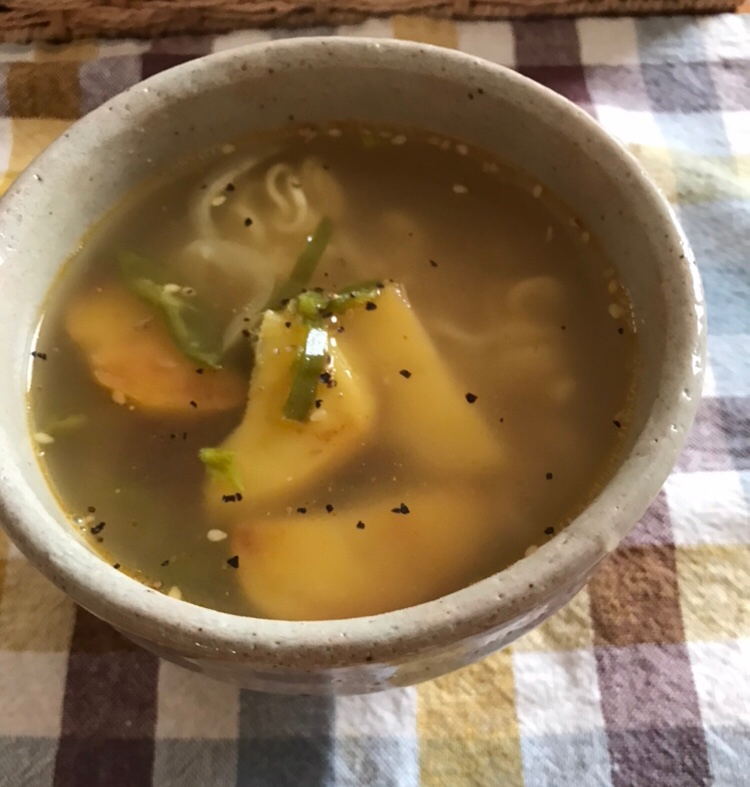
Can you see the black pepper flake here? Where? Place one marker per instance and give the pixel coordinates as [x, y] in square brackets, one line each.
[548, 476]
[173, 436]
[40, 356]
[548, 531]
[405, 373]
[301, 510]
[91, 510]
[480, 91]
[96, 529]
[340, 329]
[287, 324]
[379, 285]
[318, 402]
[246, 333]
[370, 306]
[617, 423]
[199, 371]
[329, 508]
[502, 420]
[230, 498]
[621, 330]
[193, 403]
[165, 562]
[563, 327]
[285, 301]
[115, 565]
[238, 496]
[471, 398]
[325, 378]
[184, 435]
[360, 525]
[402, 509]
[234, 562]
[229, 187]
[248, 222]
[433, 263]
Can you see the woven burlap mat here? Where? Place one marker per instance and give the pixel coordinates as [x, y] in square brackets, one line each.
[62, 20]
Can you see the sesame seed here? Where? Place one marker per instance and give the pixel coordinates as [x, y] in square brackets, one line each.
[615, 311]
[175, 592]
[399, 139]
[227, 149]
[458, 188]
[216, 535]
[220, 200]
[530, 550]
[536, 192]
[43, 438]
[462, 149]
[118, 397]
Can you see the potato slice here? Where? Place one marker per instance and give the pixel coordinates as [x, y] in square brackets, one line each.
[425, 411]
[321, 565]
[274, 455]
[130, 352]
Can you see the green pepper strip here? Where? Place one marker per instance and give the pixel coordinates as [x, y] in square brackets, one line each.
[309, 366]
[194, 333]
[305, 266]
[222, 464]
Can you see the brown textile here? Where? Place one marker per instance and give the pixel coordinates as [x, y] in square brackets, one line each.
[62, 20]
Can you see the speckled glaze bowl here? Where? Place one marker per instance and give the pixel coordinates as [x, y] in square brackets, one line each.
[97, 161]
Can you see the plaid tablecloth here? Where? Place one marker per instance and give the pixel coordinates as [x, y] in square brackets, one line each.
[642, 681]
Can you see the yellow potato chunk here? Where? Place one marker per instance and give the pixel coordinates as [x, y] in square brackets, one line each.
[274, 455]
[424, 409]
[130, 352]
[365, 559]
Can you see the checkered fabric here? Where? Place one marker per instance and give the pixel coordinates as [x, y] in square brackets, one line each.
[643, 680]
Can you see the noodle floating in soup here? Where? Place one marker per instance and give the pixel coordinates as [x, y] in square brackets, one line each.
[331, 372]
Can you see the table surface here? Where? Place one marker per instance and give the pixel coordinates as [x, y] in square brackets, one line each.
[643, 680]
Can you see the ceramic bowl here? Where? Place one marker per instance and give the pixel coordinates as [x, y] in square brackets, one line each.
[101, 158]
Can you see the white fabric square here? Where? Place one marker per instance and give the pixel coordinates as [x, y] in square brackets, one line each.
[721, 671]
[492, 42]
[729, 359]
[190, 705]
[737, 126]
[708, 508]
[557, 693]
[608, 42]
[239, 38]
[629, 126]
[725, 37]
[387, 714]
[32, 687]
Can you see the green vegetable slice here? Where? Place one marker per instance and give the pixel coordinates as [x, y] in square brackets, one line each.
[305, 266]
[192, 329]
[222, 464]
[308, 368]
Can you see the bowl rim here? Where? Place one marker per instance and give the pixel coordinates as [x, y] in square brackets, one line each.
[471, 611]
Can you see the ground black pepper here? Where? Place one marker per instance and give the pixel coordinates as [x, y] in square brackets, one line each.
[405, 373]
[248, 221]
[193, 403]
[301, 510]
[617, 423]
[329, 508]
[40, 356]
[360, 525]
[234, 562]
[230, 187]
[370, 306]
[402, 509]
[96, 529]
[318, 402]
[548, 476]
[471, 398]
[165, 562]
[548, 531]
[433, 263]
[199, 371]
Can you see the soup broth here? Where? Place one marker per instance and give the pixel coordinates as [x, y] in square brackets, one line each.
[331, 372]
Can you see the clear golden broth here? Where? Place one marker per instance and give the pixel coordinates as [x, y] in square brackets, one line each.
[519, 299]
